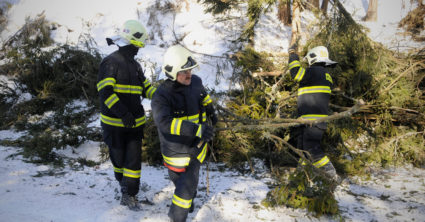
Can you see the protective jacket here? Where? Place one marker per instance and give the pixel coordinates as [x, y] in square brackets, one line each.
[121, 82]
[178, 110]
[314, 88]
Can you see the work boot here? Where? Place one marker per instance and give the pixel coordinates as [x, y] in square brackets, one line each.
[331, 172]
[131, 202]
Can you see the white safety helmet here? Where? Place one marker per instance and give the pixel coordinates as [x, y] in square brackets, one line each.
[134, 33]
[176, 59]
[319, 54]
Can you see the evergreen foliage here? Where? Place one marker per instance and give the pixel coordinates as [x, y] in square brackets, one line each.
[53, 78]
[151, 150]
[314, 194]
[388, 130]
[218, 6]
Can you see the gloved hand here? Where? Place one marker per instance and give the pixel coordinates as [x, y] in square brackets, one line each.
[207, 132]
[128, 120]
[293, 48]
[214, 119]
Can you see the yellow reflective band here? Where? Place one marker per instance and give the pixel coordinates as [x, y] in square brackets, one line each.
[321, 162]
[203, 154]
[199, 132]
[300, 75]
[193, 118]
[110, 101]
[131, 173]
[313, 116]
[146, 83]
[150, 92]
[118, 170]
[118, 122]
[204, 117]
[182, 202]
[294, 64]
[314, 89]
[177, 161]
[329, 78]
[131, 89]
[176, 125]
[105, 82]
[207, 100]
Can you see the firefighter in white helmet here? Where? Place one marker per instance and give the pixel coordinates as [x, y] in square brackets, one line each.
[121, 83]
[314, 91]
[180, 109]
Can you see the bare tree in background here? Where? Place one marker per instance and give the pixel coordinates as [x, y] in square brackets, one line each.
[284, 12]
[296, 21]
[314, 3]
[325, 6]
[372, 11]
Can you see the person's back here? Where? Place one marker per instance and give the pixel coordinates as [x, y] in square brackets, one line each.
[314, 92]
[313, 102]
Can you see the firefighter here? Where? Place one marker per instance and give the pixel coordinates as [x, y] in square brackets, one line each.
[180, 109]
[121, 83]
[313, 100]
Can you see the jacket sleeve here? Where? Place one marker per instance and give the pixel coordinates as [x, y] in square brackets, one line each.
[206, 102]
[297, 72]
[162, 110]
[205, 98]
[148, 88]
[105, 87]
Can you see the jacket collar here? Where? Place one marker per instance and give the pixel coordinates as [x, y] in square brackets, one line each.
[128, 51]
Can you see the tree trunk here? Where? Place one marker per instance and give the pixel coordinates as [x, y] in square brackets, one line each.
[372, 11]
[325, 6]
[284, 12]
[315, 4]
[296, 22]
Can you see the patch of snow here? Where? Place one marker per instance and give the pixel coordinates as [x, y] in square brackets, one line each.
[11, 134]
[89, 150]
[41, 118]
[77, 105]
[94, 121]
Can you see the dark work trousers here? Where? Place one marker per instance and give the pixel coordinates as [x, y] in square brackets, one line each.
[309, 140]
[125, 152]
[186, 184]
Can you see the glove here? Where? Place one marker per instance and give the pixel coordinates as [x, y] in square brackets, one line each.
[214, 119]
[211, 114]
[207, 132]
[128, 120]
[293, 48]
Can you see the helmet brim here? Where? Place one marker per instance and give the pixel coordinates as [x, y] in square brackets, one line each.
[329, 62]
[119, 41]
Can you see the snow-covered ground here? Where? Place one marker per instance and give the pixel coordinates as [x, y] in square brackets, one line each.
[32, 192]
[42, 193]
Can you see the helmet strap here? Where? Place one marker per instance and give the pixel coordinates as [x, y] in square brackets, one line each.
[169, 76]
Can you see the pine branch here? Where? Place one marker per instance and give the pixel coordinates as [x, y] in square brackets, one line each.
[392, 84]
[297, 122]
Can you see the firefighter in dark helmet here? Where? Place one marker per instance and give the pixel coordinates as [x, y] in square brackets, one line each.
[121, 83]
[313, 100]
[180, 109]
